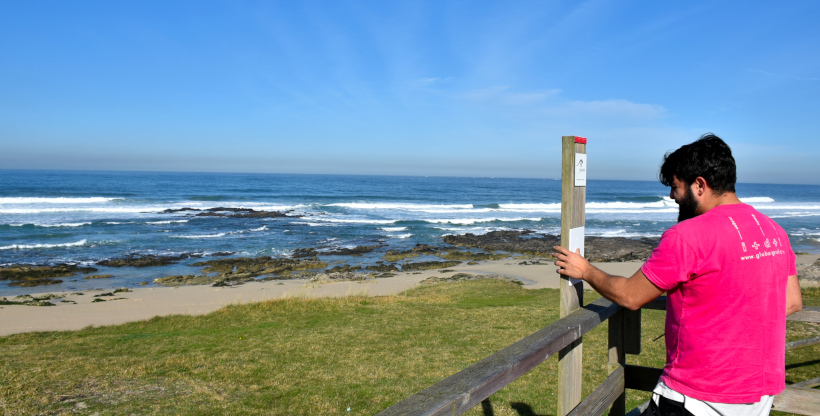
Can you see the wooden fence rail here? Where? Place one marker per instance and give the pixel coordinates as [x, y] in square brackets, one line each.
[458, 393]
[462, 391]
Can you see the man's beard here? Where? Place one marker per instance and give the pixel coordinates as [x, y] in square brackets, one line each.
[687, 206]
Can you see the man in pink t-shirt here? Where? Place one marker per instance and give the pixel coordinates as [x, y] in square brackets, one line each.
[730, 276]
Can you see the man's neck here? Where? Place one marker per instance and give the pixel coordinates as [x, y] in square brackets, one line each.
[713, 200]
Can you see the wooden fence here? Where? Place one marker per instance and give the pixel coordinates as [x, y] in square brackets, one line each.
[458, 393]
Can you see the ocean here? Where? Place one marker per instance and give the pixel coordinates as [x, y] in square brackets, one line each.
[83, 217]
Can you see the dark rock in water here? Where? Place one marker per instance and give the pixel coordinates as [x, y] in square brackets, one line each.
[429, 265]
[304, 252]
[29, 276]
[525, 242]
[172, 211]
[190, 279]
[419, 249]
[36, 282]
[244, 213]
[145, 261]
[426, 249]
[243, 269]
[466, 255]
[618, 248]
[226, 209]
[264, 214]
[211, 214]
[383, 268]
[509, 241]
[22, 272]
[393, 255]
[811, 273]
[355, 251]
[99, 276]
[344, 268]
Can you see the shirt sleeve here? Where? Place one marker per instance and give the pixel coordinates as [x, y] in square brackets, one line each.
[671, 263]
[792, 261]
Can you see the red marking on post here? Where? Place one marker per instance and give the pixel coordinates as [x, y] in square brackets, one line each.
[582, 140]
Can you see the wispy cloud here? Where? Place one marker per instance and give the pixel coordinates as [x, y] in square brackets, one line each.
[502, 94]
[609, 109]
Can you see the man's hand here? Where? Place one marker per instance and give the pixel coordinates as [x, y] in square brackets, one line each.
[571, 264]
[631, 293]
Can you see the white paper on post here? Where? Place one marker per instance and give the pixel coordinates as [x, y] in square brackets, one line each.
[576, 241]
[580, 169]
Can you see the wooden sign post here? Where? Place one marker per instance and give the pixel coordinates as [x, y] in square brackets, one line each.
[573, 200]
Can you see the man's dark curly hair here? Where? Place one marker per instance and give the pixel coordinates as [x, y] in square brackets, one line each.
[708, 157]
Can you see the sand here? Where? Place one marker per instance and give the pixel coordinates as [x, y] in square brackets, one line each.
[146, 303]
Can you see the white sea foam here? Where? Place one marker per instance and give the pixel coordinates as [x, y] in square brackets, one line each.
[103, 210]
[401, 236]
[217, 235]
[617, 233]
[781, 207]
[166, 222]
[757, 200]
[60, 200]
[32, 246]
[400, 206]
[68, 224]
[355, 221]
[600, 206]
[470, 221]
[795, 215]
[393, 229]
[202, 236]
[531, 207]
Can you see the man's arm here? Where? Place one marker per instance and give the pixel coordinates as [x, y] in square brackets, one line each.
[794, 299]
[631, 293]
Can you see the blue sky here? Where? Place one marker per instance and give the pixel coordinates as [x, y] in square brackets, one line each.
[456, 88]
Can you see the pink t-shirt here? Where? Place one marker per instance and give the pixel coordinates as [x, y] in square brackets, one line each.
[725, 272]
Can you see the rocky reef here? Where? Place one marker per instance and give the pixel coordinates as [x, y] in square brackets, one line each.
[232, 213]
[29, 276]
[355, 251]
[428, 265]
[811, 273]
[148, 260]
[524, 242]
[418, 250]
[527, 242]
[244, 269]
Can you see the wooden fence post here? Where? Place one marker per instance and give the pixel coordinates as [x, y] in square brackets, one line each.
[573, 200]
[617, 357]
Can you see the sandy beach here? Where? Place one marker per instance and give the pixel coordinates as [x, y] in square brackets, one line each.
[146, 303]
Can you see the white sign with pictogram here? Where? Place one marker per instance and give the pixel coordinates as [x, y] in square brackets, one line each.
[576, 241]
[580, 169]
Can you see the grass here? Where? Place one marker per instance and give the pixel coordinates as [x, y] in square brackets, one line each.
[314, 356]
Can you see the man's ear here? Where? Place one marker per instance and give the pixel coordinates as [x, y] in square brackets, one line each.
[700, 185]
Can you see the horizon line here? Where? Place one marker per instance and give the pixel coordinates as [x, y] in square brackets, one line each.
[359, 174]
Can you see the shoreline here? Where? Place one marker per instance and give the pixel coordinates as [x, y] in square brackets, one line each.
[146, 303]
